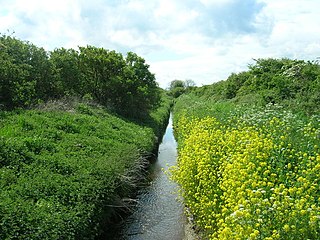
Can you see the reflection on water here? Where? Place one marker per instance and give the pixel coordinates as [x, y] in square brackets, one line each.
[158, 216]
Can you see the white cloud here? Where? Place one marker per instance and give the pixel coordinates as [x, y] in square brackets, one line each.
[203, 40]
[295, 28]
[46, 23]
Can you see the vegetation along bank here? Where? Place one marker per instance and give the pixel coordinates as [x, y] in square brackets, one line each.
[76, 130]
[249, 157]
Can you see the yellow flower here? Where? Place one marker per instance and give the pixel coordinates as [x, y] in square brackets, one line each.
[286, 228]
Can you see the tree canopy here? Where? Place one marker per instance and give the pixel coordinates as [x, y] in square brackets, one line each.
[178, 87]
[29, 74]
[292, 83]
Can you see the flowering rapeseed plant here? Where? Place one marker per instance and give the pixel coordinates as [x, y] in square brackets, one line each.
[255, 175]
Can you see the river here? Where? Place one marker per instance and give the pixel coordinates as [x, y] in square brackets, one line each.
[158, 214]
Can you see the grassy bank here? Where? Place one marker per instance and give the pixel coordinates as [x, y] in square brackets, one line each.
[248, 169]
[67, 165]
[64, 170]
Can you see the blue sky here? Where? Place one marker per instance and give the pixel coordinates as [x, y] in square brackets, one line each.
[202, 40]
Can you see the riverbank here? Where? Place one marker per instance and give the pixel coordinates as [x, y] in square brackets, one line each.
[189, 233]
[158, 214]
[248, 169]
[65, 170]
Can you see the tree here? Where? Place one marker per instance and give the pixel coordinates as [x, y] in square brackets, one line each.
[189, 83]
[176, 84]
[176, 88]
[17, 86]
[125, 85]
[101, 71]
[67, 75]
[29, 74]
[143, 93]
[26, 73]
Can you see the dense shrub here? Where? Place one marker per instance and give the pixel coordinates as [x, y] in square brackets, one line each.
[29, 74]
[25, 73]
[291, 83]
[63, 173]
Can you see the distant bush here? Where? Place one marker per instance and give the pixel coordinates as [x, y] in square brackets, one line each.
[178, 87]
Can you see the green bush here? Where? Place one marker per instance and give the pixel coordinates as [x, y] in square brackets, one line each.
[29, 75]
[291, 83]
[63, 172]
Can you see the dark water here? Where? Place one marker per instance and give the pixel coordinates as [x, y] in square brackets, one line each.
[158, 215]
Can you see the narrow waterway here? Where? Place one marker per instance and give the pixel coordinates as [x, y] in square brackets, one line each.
[158, 214]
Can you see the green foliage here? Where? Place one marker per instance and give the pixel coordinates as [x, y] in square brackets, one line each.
[62, 173]
[252, 173]
[176, 83]
[140, 88]
[158, 119]
[234, 83]
[101, 70]
[178, 87]
[248, 159]
[291, 83]
[67, 73]
[177, 91]
[14, 72]
[29, 75]
[247, 171]
[26, 75]
[124, 85]
[65, 166]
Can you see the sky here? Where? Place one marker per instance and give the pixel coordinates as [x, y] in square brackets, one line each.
[201, 40]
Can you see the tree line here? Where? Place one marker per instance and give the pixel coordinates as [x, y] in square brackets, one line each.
[30, 74]
[291, 83]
